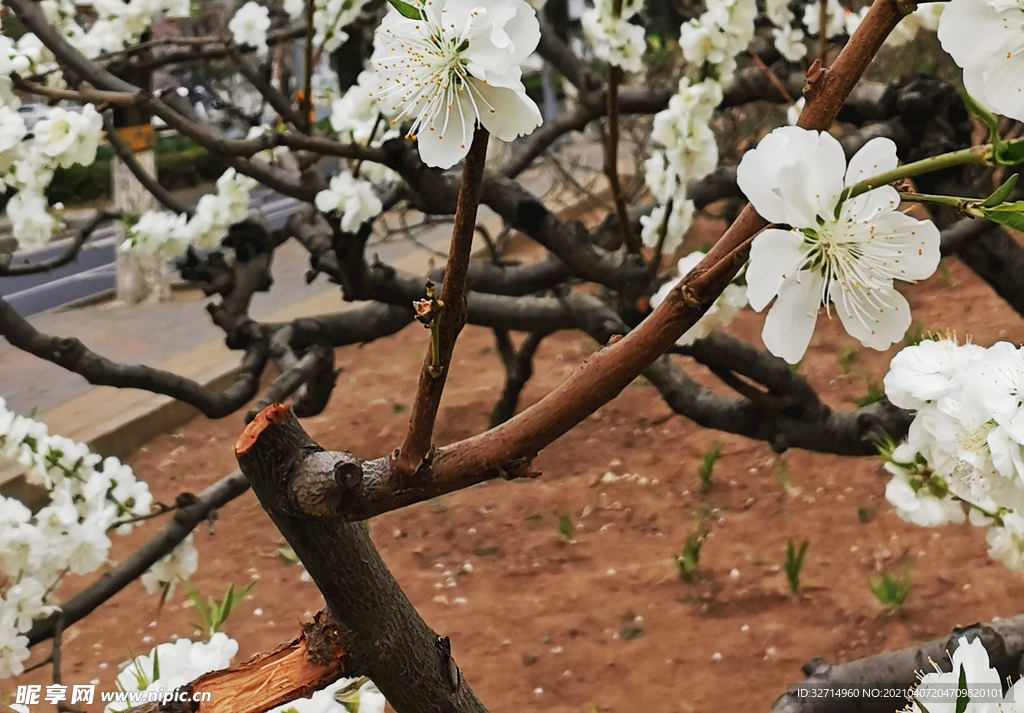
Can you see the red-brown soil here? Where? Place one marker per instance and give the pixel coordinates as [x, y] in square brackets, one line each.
[602, 622]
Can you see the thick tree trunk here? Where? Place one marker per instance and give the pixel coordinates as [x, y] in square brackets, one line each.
[381, 633]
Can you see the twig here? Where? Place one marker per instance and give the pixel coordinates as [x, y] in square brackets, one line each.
[306, 105]
[611, 155]
[185, 520]
[453, 310]
[70, 252]
[148, 181]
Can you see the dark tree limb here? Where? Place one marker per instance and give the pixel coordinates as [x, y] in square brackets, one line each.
[381, 633]
[1004, 641]
[184, 521]
[74, 356]
[69, 253]
[518, 370]
[148, 181]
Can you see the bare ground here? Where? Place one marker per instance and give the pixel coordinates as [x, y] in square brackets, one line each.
[602, 622]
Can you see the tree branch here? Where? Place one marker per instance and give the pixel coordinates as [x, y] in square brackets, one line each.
[452, 317]
[184, 521]
[382, 635]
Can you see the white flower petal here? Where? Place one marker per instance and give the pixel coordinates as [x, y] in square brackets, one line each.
[875, 314]
[790, 322]
[876, 156]
[775, 256]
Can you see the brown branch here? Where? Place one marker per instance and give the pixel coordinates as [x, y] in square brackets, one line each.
[70, 252]
[452, 311]
[148, 181]
[611, 158]
[507, 450]
[306, 105]
[379, 630]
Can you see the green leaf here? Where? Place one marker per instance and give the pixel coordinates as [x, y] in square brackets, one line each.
[156, 665]
[406, 9]
[1011, 219]
[962, 700]
[197, 602]
[987, 117]
[1001, 193]
[1008, 154]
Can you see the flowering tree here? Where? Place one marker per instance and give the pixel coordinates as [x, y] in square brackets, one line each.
[824, 228]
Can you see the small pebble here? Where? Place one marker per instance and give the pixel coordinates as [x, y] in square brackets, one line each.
[717, 656]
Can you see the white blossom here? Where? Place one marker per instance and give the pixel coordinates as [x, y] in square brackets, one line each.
[354, 200]
[181, 563]
[789, 41]
[31, 220]
[458, 64]
[836, 18]
[615, 40]
[919, 496]
[1006, 542]
[13, 648]
[969, 659]
[249, 26]
[180, 663]
[923, 373]
[849, 257]
[993, 67]
[364, 699]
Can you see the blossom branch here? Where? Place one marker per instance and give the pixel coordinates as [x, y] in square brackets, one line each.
[67, 255]
[452, 311]
[184, 521]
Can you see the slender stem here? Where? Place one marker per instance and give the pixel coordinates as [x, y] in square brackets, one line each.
[975, 154]
[611, 148]
[453, 312]
[306, 105]
[663, 233]
[962, 205]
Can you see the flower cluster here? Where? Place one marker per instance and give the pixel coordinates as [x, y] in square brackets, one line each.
[249, 26]
[456, 65]
[117, 25]
[717, 36]
[356, 119]
[688, 148]
[353, 200]
[27, 162]
[171, 665]
[844, 251]
[719, 314]
[169, 234]
[615, 40]
[965, 446]
[993, 67]
[88, 495]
